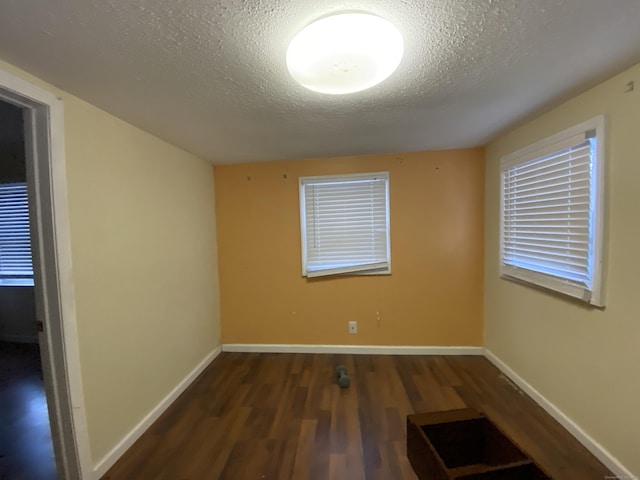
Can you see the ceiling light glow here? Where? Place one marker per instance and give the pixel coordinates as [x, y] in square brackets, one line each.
[345, 53]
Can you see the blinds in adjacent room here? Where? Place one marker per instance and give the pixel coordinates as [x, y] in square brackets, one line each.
[345, 224]
[15, 243]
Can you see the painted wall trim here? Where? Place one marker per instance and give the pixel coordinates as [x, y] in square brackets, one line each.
[129, 439]
[350, 349]
[18, 339]
[589, 443]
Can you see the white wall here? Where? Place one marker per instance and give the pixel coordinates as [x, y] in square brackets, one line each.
[584, 360]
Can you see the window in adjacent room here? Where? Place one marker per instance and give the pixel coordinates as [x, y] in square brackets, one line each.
[344, 222]
[15, 243]
[552, 212]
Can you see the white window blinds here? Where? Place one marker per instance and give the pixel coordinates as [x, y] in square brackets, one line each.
[345, 224]
[15, 243]
[547, 214]
[550, 216]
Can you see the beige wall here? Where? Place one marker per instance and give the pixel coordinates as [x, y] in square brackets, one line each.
[433, 296]
[143, 244]
[582, 359]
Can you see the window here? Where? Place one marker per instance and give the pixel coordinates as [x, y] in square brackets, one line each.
[552, 212]
[344, 222]
[15, 243]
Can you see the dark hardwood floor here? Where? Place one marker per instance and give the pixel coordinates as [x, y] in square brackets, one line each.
[282, 416]
[26, 452]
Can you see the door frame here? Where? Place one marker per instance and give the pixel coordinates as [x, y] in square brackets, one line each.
[53, 279]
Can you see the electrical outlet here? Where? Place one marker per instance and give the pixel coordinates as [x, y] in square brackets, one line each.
[353, 327]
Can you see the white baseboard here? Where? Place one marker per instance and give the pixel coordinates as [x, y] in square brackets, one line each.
[18, 338]
[350, 349]
[129, 439]
[589, 443]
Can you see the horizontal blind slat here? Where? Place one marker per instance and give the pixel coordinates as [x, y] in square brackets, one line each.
[574, 170]
[581, 179]
[556, 163]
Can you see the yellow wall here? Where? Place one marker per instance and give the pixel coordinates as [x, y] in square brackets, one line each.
[143, 245]
[434, 295]
[583, 360]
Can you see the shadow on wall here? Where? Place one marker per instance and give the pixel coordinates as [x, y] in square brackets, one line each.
[17, 315]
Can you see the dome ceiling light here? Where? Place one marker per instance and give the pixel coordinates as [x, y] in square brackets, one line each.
[345, 53]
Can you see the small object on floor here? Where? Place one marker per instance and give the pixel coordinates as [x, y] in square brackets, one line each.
[343, 378]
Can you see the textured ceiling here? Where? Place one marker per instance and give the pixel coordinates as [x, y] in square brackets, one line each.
[210, 76]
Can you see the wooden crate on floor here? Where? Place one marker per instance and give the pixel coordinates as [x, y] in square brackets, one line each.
[465, 445]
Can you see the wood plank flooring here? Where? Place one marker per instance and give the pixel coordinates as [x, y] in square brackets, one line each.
[282, 417]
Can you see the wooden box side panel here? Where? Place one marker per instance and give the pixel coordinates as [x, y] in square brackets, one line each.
[421, 456]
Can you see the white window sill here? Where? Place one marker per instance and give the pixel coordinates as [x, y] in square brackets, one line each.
[565, 287]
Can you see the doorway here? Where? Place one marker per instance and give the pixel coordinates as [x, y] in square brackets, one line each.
[43, 129]
[26, 450]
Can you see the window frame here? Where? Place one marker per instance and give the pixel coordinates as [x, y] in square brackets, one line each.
[595, 295]
[354, 270]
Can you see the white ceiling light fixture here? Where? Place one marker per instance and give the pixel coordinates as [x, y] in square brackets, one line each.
[345, 53]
